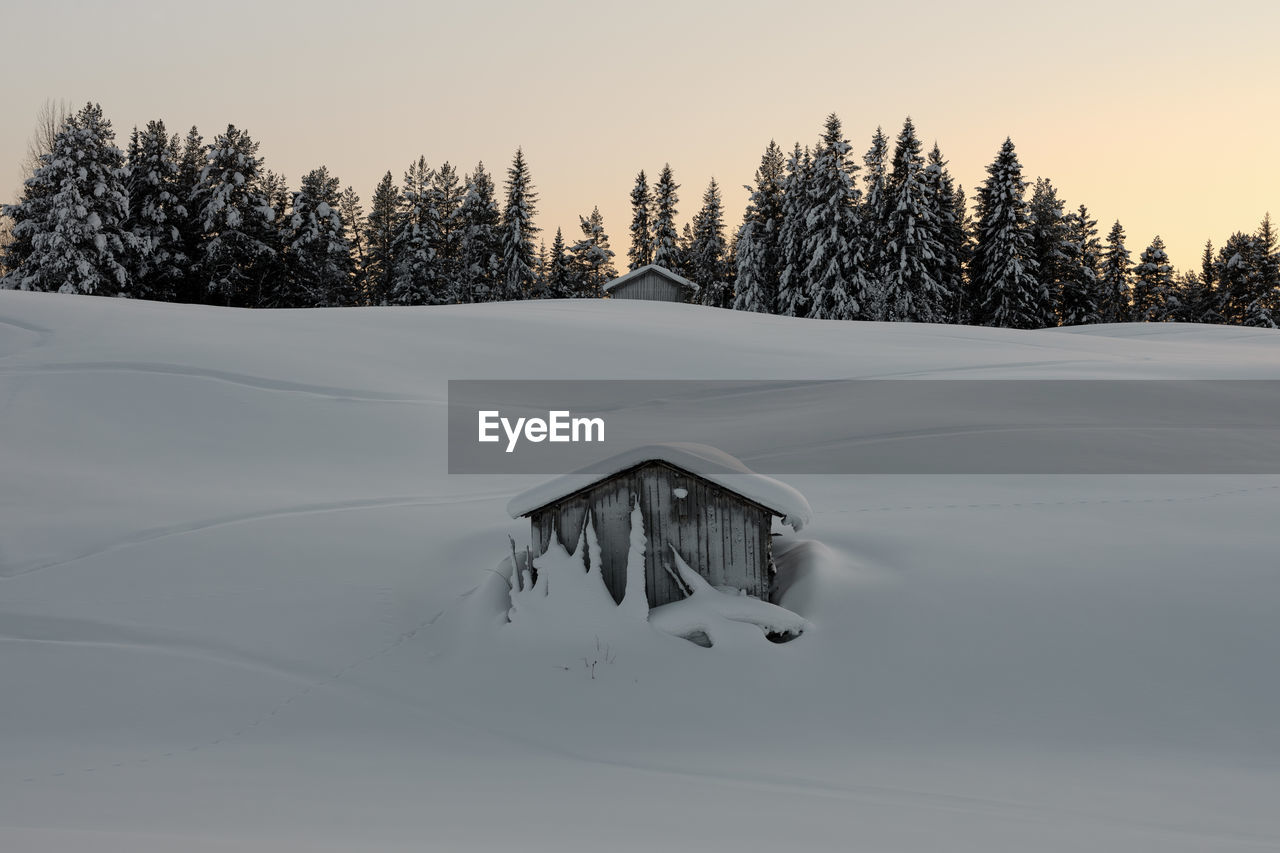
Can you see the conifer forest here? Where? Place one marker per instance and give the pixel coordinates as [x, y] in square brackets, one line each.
[827, 233]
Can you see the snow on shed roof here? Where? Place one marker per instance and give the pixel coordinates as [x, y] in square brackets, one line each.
[663, 271]
[710, 464]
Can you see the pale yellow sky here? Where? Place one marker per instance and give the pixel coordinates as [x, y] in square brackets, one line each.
[1161, 114]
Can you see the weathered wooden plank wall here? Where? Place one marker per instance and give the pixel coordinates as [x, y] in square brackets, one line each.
[723, 537]
[650, 285]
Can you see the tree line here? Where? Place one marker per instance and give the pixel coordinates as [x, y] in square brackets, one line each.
[903, 246]
[175, 219]
[183, 220]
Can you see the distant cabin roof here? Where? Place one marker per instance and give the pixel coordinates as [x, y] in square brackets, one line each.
[662, 271]
[710, 464]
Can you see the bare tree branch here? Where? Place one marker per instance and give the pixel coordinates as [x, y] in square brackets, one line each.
[49, 120]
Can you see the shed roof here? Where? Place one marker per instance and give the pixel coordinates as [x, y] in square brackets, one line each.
[703, 461]
[663, 271]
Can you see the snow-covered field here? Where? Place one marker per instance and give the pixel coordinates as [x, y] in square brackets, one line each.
[244, 607]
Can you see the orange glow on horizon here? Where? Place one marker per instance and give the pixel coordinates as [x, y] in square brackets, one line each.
[1162, 118]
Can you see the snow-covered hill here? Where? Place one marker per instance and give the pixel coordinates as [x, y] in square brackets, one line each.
[243, 607]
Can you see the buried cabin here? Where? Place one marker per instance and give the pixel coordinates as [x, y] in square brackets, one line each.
[713, 510]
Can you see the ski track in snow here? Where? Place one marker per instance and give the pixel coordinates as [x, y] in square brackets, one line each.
[25, 326]
[1016, 429]
[311, 685]
[89, 633]
[43, 336]
[1094, 501]
[257, 383]
[1162, 330]
[920, 798]
[154, 533]
[996, 365]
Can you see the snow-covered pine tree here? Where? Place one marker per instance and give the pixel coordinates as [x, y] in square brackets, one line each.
[191, 163]
[320, 267]
[540, 268]
[731, 261]
[1208, 264]
[1209, 309]
[706, 259]
[156, 213]
[875, 176]
[1174, 310]
[641, 251]
[1003, 269]
[74, 214]
[946, 204]
[481, 246]
[1082, 294]
[6, 239]
[1263, 309]
[380, 235]
[666, 239]
[1152, 284]
[1188, 296]
[968, 244]
[237, 259]
[1049, 241]
[560, 274]
[279, 289]
[447, 192]
[1248, 278]
[874, 207]
[1115, 307]
[757, 253]
[749, 289]
[1236, 276]
[275, 189]
[590, 258]
[416, 277]
[353, 218]
[683, 248]
[838, 289]
[16, 248]
[797, 197]
[519, 275]
[910, 254]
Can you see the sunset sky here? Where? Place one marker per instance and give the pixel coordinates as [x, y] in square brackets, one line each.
[1161, 114]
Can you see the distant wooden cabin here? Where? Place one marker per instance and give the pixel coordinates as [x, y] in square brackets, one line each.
[652, 282]
[717, 513]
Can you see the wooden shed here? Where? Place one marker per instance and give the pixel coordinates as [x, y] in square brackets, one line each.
[715, 512]
[652, 282]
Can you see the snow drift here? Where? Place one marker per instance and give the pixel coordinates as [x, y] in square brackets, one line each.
[244, 607]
